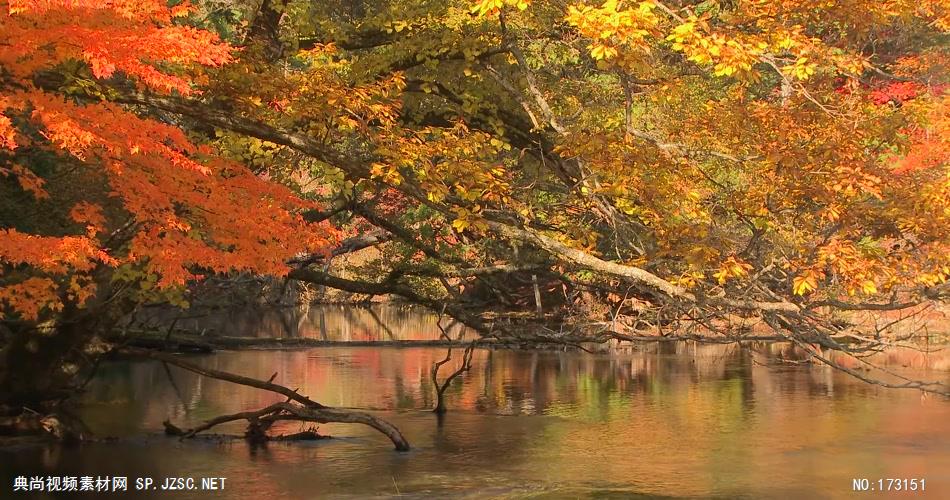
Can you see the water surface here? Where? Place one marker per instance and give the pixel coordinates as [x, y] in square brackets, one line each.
[318, 321]
[671, 420]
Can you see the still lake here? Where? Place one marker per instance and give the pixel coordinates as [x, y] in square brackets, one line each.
[664, 420]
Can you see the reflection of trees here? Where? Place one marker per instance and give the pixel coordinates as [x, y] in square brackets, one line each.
[693, 385]
[501, 382]
[686, 407]
[328, 322]
[513, 382]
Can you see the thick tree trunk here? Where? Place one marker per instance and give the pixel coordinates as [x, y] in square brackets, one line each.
[37, 366]
[38, 372]
[40, 363]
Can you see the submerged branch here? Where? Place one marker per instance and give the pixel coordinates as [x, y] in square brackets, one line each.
[466, 366]
[297, 407]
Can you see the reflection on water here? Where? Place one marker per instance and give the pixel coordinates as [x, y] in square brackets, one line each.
[668, 420]
[318, 321]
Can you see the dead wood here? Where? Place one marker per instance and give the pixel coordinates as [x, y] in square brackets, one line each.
[465, 366]
[310, 434]
[297, 407]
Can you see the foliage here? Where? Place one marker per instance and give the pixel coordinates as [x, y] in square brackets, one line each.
[784, 141]
[791, 151]
[110, 190]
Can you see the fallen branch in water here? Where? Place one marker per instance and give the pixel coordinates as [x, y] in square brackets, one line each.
[466, 366]
[297, 407]
[310, 434]
[258, 423]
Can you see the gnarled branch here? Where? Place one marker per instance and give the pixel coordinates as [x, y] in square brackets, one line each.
[297, 406]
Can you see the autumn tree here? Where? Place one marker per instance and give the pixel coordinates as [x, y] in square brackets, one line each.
[104, 207]
[632, 169]
[654, 167]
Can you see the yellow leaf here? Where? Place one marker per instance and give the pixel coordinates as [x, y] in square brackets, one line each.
[721, 276]
[597, 52]
[804, 284]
